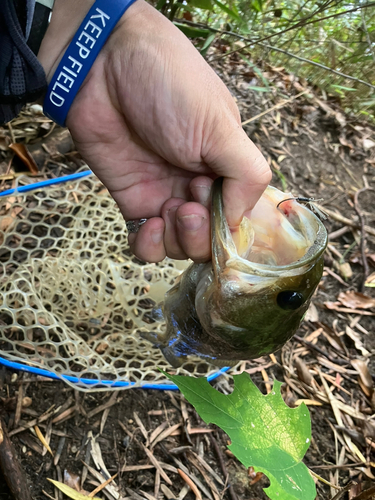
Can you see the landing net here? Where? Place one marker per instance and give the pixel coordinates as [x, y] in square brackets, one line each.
[74, 301]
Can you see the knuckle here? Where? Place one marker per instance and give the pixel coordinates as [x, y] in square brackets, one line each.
[261, 171]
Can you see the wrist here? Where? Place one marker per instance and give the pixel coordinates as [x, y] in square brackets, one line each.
[77, 50]
[66, 18]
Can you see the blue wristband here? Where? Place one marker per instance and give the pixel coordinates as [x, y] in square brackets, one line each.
[80, 56]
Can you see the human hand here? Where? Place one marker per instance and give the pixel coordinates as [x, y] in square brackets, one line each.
[157, 125]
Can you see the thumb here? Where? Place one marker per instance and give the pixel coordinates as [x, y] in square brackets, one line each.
[245, 170]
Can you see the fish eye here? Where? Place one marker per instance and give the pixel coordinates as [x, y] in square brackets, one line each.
[289, 300]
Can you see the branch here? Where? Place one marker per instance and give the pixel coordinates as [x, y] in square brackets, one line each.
[10, 467]
[367, 36]
[270, 47]
[299, 10]
[277, 106]
[322, 66]
[300, 23]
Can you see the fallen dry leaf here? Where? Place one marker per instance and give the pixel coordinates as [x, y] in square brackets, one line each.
[368, 144]
[72, 480]
[24, 155]
[42, 439]
[365, 376]
[345, 270]
[312, 314]
[303, 372]
[365, 495]
[69, 492]
[308, 402]
[333, 339]
[345, 142]
[368, 429]
[356, 338]
[335, 306]
[370, 281]
[313, 336]
[356, 300]
[6, 222]
[356, 258]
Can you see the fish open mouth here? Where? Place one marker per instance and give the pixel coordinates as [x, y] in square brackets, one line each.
[278, 237]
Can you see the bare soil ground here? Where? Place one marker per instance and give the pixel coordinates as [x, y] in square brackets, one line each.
[315, 151]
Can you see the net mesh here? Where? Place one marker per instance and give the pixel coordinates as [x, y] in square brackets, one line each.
[73, 299]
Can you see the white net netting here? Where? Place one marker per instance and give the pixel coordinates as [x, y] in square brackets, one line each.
[73, 299]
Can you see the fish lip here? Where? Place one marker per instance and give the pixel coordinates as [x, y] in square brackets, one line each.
[239, 264]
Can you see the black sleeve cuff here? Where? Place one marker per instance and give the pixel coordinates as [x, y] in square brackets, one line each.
[22, 78]
[38, 27]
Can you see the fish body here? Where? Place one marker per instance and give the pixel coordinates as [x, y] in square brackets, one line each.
[251, 298]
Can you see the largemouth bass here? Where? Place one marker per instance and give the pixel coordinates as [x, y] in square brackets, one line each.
[251, 298]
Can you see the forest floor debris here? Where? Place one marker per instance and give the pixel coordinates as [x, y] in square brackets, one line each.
[151, 445]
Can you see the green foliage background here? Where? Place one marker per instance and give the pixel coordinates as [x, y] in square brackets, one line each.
[337, 34]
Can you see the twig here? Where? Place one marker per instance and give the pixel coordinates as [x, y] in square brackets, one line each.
[156, 465]
[366, 495]
[141, 427]
[366, 270]
[17, 415]
[9, 465]
[344, 466]
[343, 490]
[112, 401]
[33, 422]
[208, 468]
[192, 459]
[42, 439]
[345, 220]
[166, 491]
[222, 466]
[313, 63]
[313, 347]
[157, 484]
[48, 495]
[190, 483]
[59, 450]
[197, 481]
[321, 479]
[339, 232]
[302, 23]
[102, 486]
[277, 106]
[48, 437]
[368, 39]
[111, 488]
[10, 128]
[336, 276]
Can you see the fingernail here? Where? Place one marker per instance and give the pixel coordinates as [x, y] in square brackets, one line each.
[171, 213]
[203, 194]
[131, 238]
[157, 236]
[191, 222]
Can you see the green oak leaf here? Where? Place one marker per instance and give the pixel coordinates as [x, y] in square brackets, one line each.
[265, 433]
